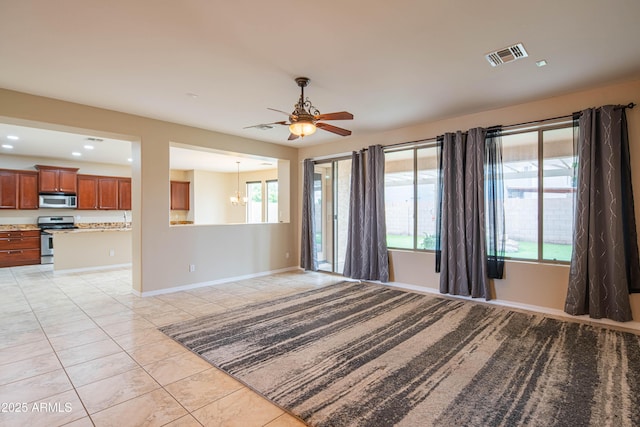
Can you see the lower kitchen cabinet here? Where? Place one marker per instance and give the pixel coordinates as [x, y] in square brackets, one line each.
[19, 248]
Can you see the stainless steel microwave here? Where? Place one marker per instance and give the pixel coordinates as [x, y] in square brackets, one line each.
[63, 201]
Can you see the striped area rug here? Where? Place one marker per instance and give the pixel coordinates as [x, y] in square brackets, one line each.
[358, 354]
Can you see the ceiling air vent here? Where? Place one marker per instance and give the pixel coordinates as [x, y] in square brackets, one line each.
[508, 54]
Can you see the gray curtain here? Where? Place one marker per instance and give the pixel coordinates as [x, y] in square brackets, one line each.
[308, 253]
[366, 255]
[604, 263]
[463, 261]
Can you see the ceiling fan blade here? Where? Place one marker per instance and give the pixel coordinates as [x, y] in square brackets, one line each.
[342, 115]
[266, 125]
[292, 137]
[333, 129]
[279, 111]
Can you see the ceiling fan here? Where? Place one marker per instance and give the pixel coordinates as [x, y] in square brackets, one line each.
[305, 118]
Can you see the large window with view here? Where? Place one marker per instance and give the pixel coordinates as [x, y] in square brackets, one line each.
[410, 197]
[539, 187]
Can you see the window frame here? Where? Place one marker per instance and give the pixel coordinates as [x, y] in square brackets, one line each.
[540, 129]
[413, 147]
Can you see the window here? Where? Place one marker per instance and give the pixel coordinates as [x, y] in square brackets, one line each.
[539, 187]
[254, 202]
[411, 208]
[398, 199]
[427, 162]
[539, 200]
[272, 200]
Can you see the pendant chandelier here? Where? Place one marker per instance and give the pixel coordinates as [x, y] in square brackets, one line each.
[238, 199]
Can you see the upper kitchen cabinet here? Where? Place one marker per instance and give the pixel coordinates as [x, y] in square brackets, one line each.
[104, 192]
[179, 195]
[18, 189]
[55, 179]
[8, 190]
[124, 194]
[108, 193]
[27, 190]
[87, 192]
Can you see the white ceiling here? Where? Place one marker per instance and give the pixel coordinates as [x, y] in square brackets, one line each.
[391, 64]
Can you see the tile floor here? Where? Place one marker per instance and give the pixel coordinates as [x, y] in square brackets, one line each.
[79, 349]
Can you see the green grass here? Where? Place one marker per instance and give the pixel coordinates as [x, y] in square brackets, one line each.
[526, 250]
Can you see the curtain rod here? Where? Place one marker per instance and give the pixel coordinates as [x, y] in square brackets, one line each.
[629, 105]
[418, 141]
[578, 113]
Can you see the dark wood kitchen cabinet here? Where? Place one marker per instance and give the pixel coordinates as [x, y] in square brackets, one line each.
[56, 179]
[8, 189]
[180, 195]
[108, 193]
[27, 190]
[104, 192]
[124, 194]
[18, 189]
[19, 248]
[87, 192]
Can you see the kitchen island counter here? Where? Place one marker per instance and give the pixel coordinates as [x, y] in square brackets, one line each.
[86, 248]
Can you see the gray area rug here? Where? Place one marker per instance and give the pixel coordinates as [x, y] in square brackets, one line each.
[358, 354]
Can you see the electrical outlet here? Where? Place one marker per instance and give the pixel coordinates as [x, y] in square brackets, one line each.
[192, 268]
[286, 255]
[112, 252]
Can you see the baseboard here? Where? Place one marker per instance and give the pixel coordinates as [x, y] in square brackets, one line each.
[211, 282]
[96, 268]
[633, 326]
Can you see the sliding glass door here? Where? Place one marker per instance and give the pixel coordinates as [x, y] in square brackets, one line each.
[331, 191]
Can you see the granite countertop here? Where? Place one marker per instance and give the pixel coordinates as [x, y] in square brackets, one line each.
[19, 227]
[87, 230]
[94, 227]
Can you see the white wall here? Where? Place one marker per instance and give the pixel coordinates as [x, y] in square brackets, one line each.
[537, 284]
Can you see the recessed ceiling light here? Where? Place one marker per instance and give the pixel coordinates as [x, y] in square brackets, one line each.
[76, 153]
[88, 147]
[7, 146]
[541, 63]
[13, 137]
[129, 159]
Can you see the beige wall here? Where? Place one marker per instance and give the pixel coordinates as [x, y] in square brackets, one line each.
[89, 249]
[161, 254]
[537, 284]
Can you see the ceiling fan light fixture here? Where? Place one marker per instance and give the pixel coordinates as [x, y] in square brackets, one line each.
[302, 128]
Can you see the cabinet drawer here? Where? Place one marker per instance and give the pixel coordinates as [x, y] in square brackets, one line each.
[17, 234]
[10, 258]
[11, 243]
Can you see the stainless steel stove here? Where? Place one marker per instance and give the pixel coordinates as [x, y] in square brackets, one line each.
[46, 239]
